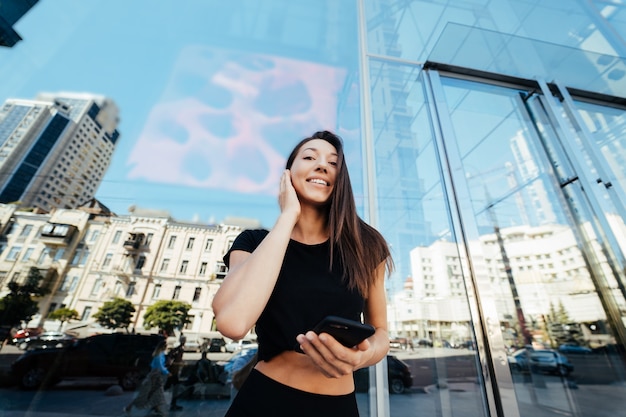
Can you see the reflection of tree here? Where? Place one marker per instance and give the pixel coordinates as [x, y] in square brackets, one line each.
[561, 329]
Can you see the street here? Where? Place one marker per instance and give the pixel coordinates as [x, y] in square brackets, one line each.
[443, 379]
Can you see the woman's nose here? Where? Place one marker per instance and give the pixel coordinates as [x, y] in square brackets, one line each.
[322, 164]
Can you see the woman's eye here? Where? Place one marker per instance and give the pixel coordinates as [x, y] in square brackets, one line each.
[333, 163]
[308, 158]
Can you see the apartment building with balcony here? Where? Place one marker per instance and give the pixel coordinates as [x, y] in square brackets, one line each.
[89, 256]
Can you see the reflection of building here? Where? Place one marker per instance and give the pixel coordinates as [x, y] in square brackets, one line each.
[89, 256]
[547, 265]
[55, 150]
[10, 12]
[534, 194]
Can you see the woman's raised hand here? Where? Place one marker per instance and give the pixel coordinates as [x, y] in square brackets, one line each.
[287, 197]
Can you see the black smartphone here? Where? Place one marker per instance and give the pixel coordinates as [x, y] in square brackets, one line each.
[347, 332]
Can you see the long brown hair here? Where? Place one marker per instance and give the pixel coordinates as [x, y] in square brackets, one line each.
[361, 248]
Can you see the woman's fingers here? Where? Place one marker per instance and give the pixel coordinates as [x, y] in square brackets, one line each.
[333, 359]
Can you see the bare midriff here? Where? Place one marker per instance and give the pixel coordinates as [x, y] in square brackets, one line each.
[298, 371]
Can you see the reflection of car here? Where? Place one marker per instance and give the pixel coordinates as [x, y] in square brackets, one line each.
[24, 335]
[241, 357]
[398, 375]
[240, 344]
[423, 342]
[546, 361]
[47, 340]
[573, 348]
[217, 344]
[123, 356]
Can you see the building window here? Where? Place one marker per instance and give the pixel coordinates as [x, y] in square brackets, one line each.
[44, 254]
[15, 277]
[94, 235]
[83, 259]
[172, 242]
[65, 284]
[107, 260]
[176, 293]
[229, 244]
[27, 254]
[130, 291]
[53, 306]
[203, 267]
[140, 262]
[189, 324]
[157, 291]
[76, 258]
[86, 313]
[196, 294]
[165, 264]
[73, 284]
[209, 245]
[14, 253]
[96, 286]
[118, 288]
[183, 267]
[117, 236]
[26, 230]
[149, 239]
[59, 254]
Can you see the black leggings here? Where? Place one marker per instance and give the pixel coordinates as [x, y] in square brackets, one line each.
[261, 396]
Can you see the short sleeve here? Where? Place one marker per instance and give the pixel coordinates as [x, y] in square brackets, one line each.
[247, 241]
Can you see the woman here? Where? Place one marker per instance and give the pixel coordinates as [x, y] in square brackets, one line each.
[151, 393]
[319, 259]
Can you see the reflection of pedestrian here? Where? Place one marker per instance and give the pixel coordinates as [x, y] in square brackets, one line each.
[319, 259]
[175, 365]
[204, 372]
[151, 393]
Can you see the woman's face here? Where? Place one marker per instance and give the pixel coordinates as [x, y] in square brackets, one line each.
[314, 171]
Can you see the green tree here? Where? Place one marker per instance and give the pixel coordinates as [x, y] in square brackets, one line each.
[167, 315]
[18, 305]
[115, 314]
[63, 314]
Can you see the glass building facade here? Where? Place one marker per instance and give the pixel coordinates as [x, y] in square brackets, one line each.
[486, 141]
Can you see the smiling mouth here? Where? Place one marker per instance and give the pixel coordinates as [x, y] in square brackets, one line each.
[318, 181]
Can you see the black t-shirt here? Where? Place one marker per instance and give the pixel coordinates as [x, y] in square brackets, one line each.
[306, 291]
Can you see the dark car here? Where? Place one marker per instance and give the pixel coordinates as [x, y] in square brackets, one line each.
[398, 375]
[545, 361]
[123, 356]
[217, 344]
[48, 340]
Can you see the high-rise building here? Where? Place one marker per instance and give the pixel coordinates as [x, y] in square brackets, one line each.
[10, 12]
[54, 150]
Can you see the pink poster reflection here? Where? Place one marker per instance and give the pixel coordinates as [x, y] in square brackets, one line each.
[227, 119]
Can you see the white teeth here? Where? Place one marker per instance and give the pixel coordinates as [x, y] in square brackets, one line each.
[317, 181]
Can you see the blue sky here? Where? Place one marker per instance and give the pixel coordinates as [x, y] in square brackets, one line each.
[210, 99]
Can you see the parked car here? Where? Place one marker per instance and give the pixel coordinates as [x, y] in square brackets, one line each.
[47, 340]
[547, 361]
[398, 375]
[217, 344]
[123, 356]
[235, 346]
[574, 349]
[24, 335]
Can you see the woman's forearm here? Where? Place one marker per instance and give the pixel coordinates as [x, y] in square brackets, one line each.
[249, 283]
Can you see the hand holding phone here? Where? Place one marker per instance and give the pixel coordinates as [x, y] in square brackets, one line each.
[347, 332]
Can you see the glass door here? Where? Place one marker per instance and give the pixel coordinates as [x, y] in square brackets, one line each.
[544, 248]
